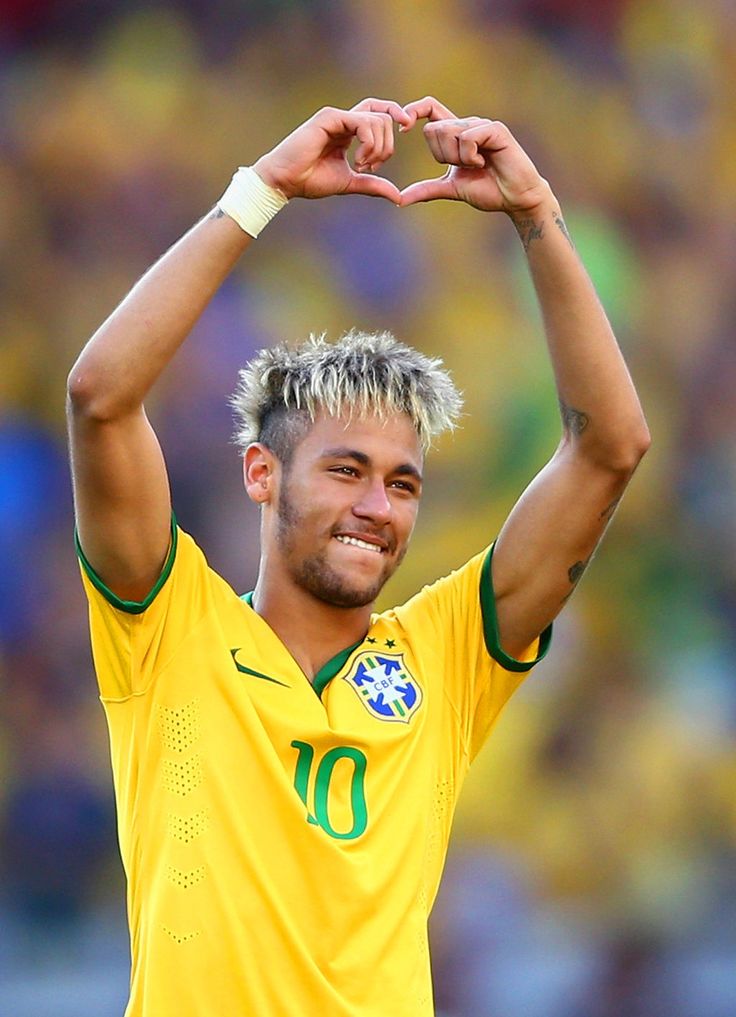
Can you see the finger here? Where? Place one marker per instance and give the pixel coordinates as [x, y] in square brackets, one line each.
[444, 142]
[443, 139]
[372, 157]
[379, 187]
[394, 110]
[365, 152]
[447, 142]
[468, 151]
[429, 190]
[432, 137]
[387, 139]
[335, 122]
[468, 142]
[383, 136]
[511, 165]
[491, 135]
[338, 124]
[496, 142]
[427, 108]
[382, 128]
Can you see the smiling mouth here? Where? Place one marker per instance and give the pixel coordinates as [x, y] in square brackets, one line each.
[357, 542]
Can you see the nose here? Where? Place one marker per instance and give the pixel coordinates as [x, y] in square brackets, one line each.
[374, 503]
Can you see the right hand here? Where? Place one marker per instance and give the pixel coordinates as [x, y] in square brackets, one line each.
[488, 168]
[312, 162]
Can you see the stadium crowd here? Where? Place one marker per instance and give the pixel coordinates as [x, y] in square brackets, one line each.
[593, 872]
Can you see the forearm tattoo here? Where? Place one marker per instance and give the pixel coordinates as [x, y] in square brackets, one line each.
[560, 224]
[529, 230]
[574, 421]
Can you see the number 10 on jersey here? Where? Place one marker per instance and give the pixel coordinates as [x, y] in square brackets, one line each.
[321, 782]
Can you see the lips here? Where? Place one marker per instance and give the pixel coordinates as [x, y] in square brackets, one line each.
[365, 541]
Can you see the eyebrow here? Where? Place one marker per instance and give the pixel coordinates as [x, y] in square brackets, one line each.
[345, 452]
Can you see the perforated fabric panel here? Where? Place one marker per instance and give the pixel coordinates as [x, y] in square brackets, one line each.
[188, 828]
[179, 726]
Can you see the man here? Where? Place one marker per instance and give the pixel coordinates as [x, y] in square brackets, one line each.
[286, 765]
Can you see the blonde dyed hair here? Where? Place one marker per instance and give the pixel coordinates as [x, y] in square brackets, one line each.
[361, 374]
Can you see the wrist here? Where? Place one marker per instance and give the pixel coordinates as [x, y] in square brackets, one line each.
[542, 203]
[269, 176]
[251, 201]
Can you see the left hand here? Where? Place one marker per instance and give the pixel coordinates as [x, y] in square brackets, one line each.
[488, 167]
[312, 161]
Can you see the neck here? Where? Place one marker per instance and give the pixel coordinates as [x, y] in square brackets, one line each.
[312, 631]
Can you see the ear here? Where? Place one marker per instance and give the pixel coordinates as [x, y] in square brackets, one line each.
[259, 469]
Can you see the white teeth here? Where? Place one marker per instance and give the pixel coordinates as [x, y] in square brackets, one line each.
[356, 542]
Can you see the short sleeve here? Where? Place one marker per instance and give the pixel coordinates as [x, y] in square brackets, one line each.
[478, 678]
[133, 640]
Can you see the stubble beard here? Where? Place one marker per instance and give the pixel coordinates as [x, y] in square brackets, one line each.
[313, 573]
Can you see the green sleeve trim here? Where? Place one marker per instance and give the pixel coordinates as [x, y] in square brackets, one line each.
[490, 624]
[130, 606]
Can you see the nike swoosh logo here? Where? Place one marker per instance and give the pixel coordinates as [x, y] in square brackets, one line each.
[255, 674]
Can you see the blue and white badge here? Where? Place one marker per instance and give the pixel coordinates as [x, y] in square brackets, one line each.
[384, 685]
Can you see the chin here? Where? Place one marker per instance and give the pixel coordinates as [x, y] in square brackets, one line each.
[348, 600]
[347, 595]
[335, 588]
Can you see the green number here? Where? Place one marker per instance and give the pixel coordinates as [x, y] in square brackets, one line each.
[301, 777]
[322, 787]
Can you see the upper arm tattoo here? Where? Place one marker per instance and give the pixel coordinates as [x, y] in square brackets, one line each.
[575, 574]
[216, 213]
[609, 509]
[574, 421]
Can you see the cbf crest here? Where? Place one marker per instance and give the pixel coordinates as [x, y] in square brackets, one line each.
[385, 686]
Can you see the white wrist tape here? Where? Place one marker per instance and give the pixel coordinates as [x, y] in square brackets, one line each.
[250, 201]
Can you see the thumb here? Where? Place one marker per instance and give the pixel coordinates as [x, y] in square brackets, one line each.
[428, 190]
[379, 187]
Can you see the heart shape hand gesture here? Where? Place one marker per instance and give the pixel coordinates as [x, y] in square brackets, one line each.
[487, 168]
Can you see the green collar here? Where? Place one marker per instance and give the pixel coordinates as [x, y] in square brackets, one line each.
[328, 671]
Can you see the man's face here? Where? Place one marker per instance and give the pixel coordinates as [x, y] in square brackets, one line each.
[347, 505]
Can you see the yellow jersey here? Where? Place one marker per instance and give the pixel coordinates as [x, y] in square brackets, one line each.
[283, 840]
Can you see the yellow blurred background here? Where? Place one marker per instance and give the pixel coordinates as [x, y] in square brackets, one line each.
[592, 871]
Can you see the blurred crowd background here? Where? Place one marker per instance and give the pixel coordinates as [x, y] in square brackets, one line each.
[593, 867]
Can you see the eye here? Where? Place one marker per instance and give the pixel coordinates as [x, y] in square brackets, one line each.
[404, 485]
[345, 471]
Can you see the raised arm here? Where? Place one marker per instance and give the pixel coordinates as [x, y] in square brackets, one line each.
[553, 530]
[121, 491]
